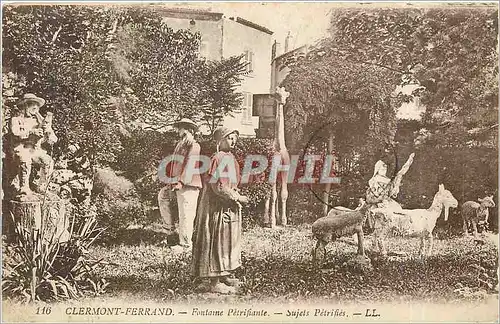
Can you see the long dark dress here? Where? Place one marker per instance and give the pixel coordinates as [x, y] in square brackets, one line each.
[218, 224]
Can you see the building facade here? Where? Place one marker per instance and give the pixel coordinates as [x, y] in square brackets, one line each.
[223, 37]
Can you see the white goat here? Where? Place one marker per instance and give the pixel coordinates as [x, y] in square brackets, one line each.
[410, 222]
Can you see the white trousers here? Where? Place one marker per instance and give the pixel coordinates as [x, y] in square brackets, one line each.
[187, 201]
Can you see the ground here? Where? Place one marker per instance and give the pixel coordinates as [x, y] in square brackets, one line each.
[277, 268]
[277, 265]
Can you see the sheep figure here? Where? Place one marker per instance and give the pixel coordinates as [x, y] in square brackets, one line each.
[339, 223]
[476, 213]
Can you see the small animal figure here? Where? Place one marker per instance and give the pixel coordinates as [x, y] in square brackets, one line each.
[336, 224]
[476, 214]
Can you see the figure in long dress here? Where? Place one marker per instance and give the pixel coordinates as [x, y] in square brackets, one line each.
[218, 223]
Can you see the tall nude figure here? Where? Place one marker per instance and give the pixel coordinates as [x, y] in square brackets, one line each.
[281, 151]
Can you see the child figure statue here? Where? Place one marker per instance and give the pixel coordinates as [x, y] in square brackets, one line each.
[28, 131]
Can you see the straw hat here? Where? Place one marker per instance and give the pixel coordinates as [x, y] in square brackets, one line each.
[185, 123]
[29, 97]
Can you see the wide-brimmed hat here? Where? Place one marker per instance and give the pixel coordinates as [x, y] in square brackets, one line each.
[185, 123]
[222, 132]
[31, 97]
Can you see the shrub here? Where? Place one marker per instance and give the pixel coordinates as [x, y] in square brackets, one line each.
[147, 188]
[109, 183]
[39, 267]
[118, 204]
[469, 174]
[143, 151]
[116, 215]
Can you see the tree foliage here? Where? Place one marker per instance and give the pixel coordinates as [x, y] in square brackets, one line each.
[451, 53]
[61, 53]
[104, 69]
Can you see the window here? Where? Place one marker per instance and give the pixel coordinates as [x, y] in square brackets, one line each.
[249, 59]
[247, 108]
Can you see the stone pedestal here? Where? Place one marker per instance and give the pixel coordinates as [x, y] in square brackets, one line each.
[49, 217]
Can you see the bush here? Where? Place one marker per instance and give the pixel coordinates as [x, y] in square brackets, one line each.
[258, 189]
[468, 173]
[118, 204]
[39, 267]
[304, 207]
[142, 152]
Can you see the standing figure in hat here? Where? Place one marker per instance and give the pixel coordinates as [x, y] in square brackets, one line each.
[187, 187]
[218, 224]
[28, 131]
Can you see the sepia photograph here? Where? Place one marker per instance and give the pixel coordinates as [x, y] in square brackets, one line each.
[278, 162]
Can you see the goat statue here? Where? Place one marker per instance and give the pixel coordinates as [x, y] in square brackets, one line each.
[414, 222]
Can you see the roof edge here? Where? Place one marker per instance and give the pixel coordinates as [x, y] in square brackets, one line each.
[253, 25]
[192, 13]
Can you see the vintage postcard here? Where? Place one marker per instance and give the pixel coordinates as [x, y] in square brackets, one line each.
[250, 162]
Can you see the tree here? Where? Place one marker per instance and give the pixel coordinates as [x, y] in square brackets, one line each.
[168, 79]
[450, 52]
[340, 107]
[62, 54]
[221, 79]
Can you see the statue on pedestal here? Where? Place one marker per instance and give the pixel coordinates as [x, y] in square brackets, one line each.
[29, 170]
[28, 131]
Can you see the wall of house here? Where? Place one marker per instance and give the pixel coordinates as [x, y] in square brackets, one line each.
[241, 39]
[223, 38]
[210, 31]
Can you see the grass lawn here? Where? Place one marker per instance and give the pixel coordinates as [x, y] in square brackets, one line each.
[277, 267]
[454, 284]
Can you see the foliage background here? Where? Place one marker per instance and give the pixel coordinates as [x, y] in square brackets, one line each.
[347, 87]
